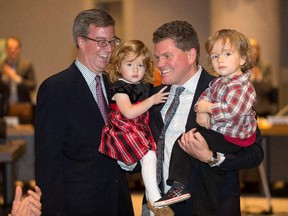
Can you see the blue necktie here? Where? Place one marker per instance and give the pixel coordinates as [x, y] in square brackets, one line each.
[161, 141]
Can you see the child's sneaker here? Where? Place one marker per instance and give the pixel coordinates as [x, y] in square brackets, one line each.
[177, 193]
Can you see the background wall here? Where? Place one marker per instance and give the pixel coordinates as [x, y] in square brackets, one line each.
[45, 27]
[138, 19]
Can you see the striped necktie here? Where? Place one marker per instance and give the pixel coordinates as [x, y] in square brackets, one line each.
[101, 101]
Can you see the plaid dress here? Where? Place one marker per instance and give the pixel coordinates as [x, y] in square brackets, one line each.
[123, 139]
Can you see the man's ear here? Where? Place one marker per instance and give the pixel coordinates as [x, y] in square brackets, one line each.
[192, 55]
[80, 41]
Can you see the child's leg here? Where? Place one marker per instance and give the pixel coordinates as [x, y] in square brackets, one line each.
[152, 192]
[216, 141]
[214, 179]
[179, 167]
[179, 170]
[148, 171]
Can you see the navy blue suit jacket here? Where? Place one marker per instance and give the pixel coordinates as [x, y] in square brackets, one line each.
[74, 177]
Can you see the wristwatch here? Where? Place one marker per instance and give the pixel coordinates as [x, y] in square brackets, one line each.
[214, 159]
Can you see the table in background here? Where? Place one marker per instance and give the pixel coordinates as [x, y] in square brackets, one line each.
[270, 134]
[275, 145]
[274, 130]
[9, 153]
[24, 167]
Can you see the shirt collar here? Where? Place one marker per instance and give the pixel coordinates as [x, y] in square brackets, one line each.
[124, 80]
[243, 78]
[190, 84]
[88, 75]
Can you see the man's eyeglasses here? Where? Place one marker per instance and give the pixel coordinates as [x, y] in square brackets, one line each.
[103, 43]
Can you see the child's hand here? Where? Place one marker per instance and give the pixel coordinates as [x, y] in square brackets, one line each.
[161, 96]
[204, 106]
[203, 119]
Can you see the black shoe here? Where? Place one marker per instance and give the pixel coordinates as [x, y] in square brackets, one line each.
[177, 193]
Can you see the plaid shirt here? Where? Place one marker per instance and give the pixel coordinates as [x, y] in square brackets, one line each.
[233, 99]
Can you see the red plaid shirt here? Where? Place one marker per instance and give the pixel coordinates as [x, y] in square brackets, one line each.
[233, 99]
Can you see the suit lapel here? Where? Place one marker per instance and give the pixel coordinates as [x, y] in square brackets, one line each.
[106, 84]
[80, 90]
[156, 109]
[203, 83]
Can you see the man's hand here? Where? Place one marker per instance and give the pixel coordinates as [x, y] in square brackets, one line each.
[195, 145]
[35, 201]
[10, 74]
[29, 206]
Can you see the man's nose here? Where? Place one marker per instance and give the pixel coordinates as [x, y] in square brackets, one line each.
[161, 62]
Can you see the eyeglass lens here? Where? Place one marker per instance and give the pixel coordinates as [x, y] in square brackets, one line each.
[103, 43]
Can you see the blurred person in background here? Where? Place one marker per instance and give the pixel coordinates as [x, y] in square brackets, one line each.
[261, 78]
[17, 82]
[17, 73]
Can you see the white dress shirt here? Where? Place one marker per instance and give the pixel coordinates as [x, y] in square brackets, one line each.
[89, 77]
[178, 123]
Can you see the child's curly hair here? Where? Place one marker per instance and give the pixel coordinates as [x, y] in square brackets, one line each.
[125, 49]
[237, 39]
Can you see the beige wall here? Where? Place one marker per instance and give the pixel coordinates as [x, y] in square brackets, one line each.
[138, 19]
[149, 16]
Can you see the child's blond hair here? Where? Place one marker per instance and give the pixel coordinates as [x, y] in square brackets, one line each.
[237, 39]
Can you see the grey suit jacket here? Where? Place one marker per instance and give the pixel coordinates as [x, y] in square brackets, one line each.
[25, 69]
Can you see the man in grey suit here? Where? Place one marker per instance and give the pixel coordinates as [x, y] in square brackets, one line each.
[17, 82]
[74, 177]
[17, 73]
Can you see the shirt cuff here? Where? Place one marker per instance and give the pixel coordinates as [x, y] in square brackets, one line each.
[126, 167]
[221, 159]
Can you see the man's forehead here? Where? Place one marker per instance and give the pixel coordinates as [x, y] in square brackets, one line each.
[93, 28]
[164, 46]
[165, 50]
[12, 42]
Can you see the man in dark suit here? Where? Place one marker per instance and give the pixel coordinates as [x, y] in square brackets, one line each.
[74, 177]
[176, 48]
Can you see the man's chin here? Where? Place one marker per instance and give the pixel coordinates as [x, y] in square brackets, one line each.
[166, 82]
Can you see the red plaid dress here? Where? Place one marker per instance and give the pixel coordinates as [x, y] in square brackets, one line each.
[127, 140]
